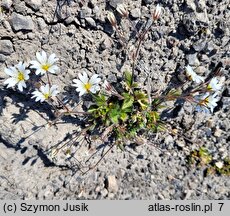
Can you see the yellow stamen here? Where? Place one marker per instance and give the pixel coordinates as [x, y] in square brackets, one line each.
[209, 87]
[46, 95]
[87, 86]
[46, 67]
[20, 76]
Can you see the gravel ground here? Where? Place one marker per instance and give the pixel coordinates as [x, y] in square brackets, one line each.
[189, 31]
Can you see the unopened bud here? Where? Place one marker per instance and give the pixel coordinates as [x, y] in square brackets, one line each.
[107, 86]
[112, 19]
[157, 12]
[122, 10]
[132, 52]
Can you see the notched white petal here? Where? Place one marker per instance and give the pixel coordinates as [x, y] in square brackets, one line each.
[52, 59]
[83, 77]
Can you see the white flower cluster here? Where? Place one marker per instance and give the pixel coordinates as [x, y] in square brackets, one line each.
[19, 74]
[211, 97]
[44, 64]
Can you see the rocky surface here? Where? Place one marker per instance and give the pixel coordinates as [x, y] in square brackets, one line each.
[191, 31]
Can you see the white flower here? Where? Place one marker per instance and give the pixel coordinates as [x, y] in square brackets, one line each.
[193, 76]
[157, 12]
[207, 101]
[45, 93]
[121, 9]
[215, 84]
[85, 85]
[44, 64]
[18, 74]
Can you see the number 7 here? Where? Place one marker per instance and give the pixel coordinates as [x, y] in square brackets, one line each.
[221, 205]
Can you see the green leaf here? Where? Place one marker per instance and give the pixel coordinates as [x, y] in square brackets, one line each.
[123, 116]
[153, 116]
[142, 99]
[173, 94]
[114, 113]
[128, 101]
[100, 100]
[128, 78]
[93, 108]
[134, 85]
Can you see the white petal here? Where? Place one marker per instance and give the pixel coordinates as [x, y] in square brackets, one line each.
[35, 64]
[42, 89]
[94, 79]
[20, 86]
[83, 77]
[53, 90]
[198, 79]
[53, 69]
[42, 99]
[77, 82]
[40, 71]
[54, 93]
[81, 92]
[34, 93]
[10, 72]
[20, 67]
[38, 96]
[12, 81]
[214, 81]
[44, 56]
[94, 88]
[52, 58]
[53, 87]
[41, 57]
[211, 108]
[47, 89]
[26, 76]
[23, 83]
[81, 87]
[189, 69]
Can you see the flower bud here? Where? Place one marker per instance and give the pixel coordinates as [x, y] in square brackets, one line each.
[107, 86]
[157, 12]
[112, 19]
[122, 10]
[132, 52]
